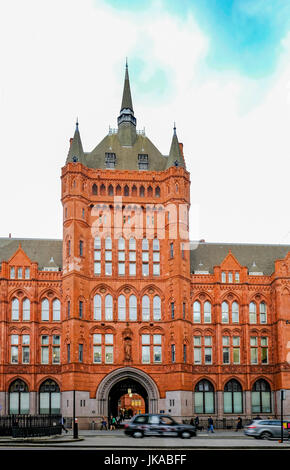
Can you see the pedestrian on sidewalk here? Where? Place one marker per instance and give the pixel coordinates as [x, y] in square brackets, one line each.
[210, 424]
[103, 424]
[239, 424]
[63, 424]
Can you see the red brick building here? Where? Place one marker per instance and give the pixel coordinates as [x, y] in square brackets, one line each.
[125, 302]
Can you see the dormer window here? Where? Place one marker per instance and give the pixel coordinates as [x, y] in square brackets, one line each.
[110, 160]
[143, 161]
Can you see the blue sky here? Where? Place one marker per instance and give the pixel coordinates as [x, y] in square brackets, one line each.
[244, 35]
[220, 69]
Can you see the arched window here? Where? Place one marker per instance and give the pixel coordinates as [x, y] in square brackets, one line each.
[233, 397]
[111, 190]
[126, 190]
[204, 398]
[196, 312]
[121, 308]
[95, 190]
[225, 312]
[18, 398]
[103, 190]
[109, 307]
[150, 191]
[97, 307]
[118, 190]
[134, 190]
[56, 310]
[235, 312]
[157, 191]
[156, 308]
[49, 398]
[142, 191]
[207, 312]
[253, 312]
[26, 309]
[45, 310]
[132, 308]
[15, 309]
[263, 313]
[145, 308]
[261, 397]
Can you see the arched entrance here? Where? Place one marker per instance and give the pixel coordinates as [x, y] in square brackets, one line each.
[122, 398]
[117, 383]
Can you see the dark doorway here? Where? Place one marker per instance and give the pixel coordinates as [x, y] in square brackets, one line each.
[125, 387]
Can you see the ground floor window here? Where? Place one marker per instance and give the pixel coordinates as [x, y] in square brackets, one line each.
[261, 397]
[233, 397]
[204, 398]
[49, 398]
[18, 398]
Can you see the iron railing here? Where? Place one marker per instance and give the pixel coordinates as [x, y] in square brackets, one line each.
[30, 425]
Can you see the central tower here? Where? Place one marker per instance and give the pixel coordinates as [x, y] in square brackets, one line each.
[126, 264]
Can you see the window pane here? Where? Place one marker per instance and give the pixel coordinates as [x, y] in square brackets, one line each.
[238, 402]
[109, 339]
[145, 339]
[209, 402]
[256, 402]
[196, 312]
[56, 310]
[109, 307]
[197, 355]
[44, 403]
[157, 353]
[156, 339]
[121, 308]
[45, 310]
[15, 309]
[133, 308]
[26, 310]
[208, 355]
[97, 307]
[24, 403]
[198, 402]
[145, 354]
[55, 403]
[14, 402]
[266, 402]
[109, 354]
[132, 269]
[156, 308]
[97, 354]
[55, 355]
[228, 402]
[145, 308]
[207, 312]
[97, 338]
[44, 355]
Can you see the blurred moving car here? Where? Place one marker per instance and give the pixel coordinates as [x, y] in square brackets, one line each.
[158, 425]
[265, 429]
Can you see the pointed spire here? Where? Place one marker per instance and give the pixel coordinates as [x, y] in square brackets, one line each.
[127, 99]
[175, 157]
[76, 153]
[126, 120]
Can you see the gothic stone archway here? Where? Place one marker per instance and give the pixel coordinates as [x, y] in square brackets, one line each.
[126, 375]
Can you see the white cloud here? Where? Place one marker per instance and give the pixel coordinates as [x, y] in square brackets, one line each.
[64, 59]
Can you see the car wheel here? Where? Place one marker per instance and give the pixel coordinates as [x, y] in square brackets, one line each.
[266, 435]
[137, 434]
[185, 435]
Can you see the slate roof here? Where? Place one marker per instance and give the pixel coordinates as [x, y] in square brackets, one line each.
[204, 256]
[38, 250]
[126, 143]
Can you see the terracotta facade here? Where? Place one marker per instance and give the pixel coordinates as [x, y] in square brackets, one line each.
[197, 344]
